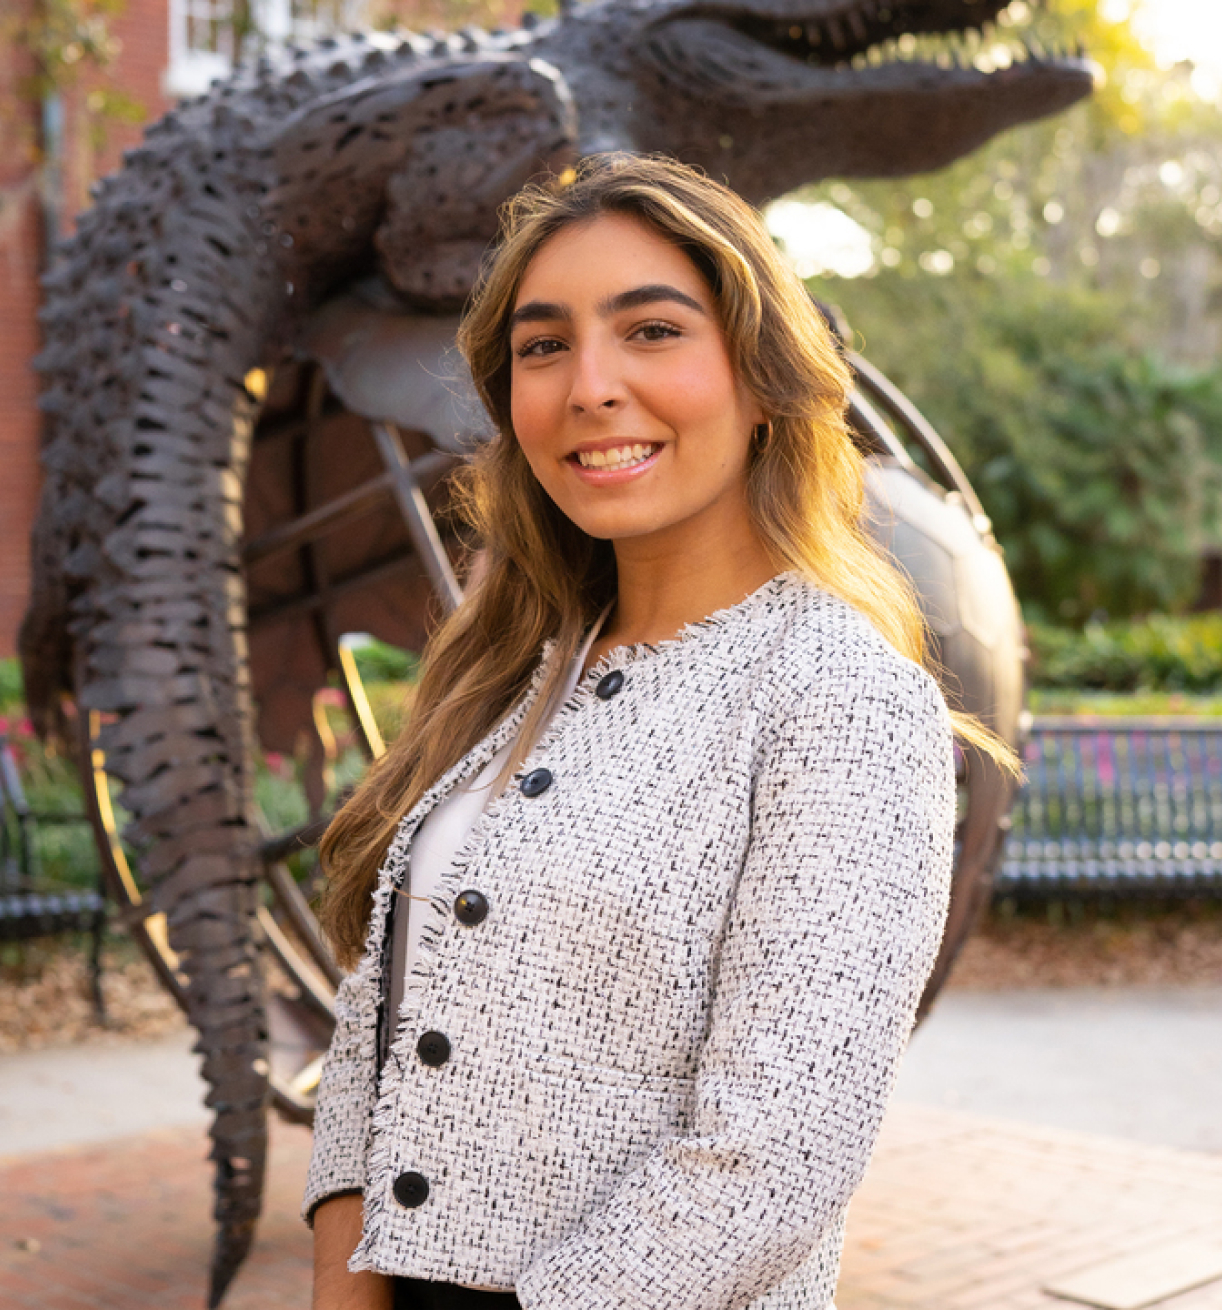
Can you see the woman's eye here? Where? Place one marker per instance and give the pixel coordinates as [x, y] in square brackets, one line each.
[538, 347]
[657, 331]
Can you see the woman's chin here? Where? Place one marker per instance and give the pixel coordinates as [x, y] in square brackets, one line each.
[615, 527]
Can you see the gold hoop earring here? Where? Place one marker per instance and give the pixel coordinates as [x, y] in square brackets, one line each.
[761, 436]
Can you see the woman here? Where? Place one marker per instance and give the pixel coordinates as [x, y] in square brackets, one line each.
[676, 793]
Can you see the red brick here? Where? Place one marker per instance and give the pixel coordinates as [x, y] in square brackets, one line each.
[143, 29]
[956, 1220]
[134, 1227]
[964, 1214]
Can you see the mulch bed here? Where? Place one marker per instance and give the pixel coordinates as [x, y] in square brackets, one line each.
[45, 998]
[45, 1001]
[1085, 947]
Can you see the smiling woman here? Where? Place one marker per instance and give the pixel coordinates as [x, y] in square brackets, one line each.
[625, 403]
[642, 901]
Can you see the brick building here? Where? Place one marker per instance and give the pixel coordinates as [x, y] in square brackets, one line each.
[52, 147]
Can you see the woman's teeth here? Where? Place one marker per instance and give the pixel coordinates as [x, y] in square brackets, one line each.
[622, 457]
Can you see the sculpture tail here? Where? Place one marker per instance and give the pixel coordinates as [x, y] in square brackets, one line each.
[237, 1212]
[150, 337]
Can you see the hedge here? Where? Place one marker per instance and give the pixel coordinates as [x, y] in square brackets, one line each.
[1158, 653]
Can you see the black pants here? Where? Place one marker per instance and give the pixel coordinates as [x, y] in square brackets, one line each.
[419, 1294]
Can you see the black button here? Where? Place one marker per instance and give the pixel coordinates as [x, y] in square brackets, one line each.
[609, 685]
[433, 1048]
[536, 782]
[470, 907]
[411, 1190]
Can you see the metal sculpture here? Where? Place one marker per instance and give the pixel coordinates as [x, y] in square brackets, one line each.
[210, 420]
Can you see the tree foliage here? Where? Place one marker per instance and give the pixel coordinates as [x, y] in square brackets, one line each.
[1054, 303]
[1160, 653]
[67, 42]
[1100, 464]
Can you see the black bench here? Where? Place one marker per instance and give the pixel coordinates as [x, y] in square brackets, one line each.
[31, 906]
[1121, 806]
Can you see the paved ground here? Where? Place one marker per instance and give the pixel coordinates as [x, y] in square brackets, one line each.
[71, 1096]
[129, 1224]
[1144, 1064]
[960, 1211]
[957, 1212]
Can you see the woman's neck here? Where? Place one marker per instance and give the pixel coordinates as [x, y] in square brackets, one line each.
[660, 592]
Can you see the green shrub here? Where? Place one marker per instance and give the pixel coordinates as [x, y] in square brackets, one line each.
[12, 693]
[1100, 464]
[378, 662]
[1159, 653]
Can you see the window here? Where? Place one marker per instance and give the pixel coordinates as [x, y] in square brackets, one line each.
[207, 35]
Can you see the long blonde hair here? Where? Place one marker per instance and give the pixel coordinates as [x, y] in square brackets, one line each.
[541, 577]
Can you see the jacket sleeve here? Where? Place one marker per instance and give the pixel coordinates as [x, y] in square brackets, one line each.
[344, 1115]
[831, 936]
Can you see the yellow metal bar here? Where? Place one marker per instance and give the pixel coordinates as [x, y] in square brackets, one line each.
[154, 924]
[360, 701]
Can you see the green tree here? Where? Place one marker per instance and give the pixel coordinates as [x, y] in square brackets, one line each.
[67, 41]
[1100, 464]
[1122, 194]
[1065, 283]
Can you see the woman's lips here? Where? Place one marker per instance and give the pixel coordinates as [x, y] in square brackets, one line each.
[603, 477]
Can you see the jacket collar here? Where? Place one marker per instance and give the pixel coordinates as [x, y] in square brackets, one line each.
[394, 867]
[618, 657]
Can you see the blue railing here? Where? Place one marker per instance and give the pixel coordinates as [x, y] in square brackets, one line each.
[1117, 805]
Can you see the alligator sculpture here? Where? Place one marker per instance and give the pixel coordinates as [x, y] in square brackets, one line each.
[379, 160]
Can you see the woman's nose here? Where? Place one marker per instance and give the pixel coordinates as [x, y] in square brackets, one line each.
[597, 381]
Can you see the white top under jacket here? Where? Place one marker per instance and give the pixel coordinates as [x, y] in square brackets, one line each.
[672, 1037]
[440, 836]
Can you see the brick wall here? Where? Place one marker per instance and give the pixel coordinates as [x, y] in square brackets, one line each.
[143, 31]
[21, 241]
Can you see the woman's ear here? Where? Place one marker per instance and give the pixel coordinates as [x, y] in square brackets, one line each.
[752, 407]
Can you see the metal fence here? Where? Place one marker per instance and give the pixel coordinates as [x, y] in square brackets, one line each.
[1117, 805]
[32, 906]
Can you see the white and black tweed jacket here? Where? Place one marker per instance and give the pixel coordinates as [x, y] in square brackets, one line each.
[655, 1068]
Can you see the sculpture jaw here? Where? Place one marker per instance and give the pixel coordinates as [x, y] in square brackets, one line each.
[775, 94]
[751, 60]
[774, 123]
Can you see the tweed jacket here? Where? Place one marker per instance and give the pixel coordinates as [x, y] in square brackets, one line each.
[646, 1071]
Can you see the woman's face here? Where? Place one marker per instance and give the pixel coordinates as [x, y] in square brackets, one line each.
[623, 396]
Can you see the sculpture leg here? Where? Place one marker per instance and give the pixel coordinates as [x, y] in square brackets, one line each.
[179, 745]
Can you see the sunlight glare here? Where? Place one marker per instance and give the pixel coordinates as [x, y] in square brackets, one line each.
[820, 239]
[1177, 30]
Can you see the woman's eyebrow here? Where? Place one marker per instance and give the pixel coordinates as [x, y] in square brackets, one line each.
[538, 311]
[544, 311]
[650, 294]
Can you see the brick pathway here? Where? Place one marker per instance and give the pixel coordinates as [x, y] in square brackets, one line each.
[957, 1213]
[129, 1224]
[965, 1213]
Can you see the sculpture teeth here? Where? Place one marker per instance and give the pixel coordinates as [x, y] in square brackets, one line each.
[843, 41]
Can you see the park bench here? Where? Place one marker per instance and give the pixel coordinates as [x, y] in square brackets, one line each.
[1120, 806]
[31, 906]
